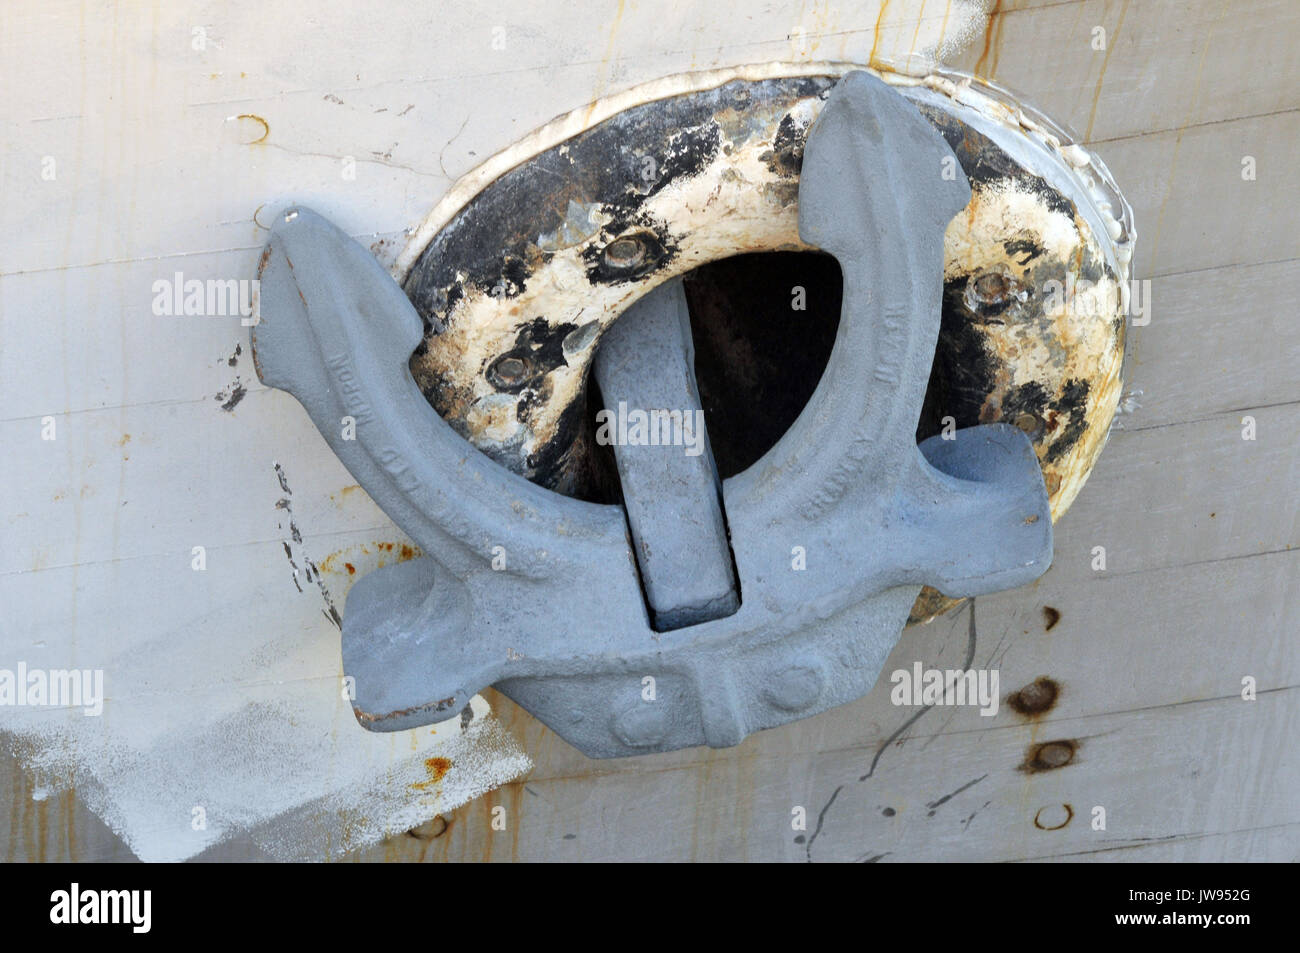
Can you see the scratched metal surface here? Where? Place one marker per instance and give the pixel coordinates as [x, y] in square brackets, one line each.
[1199, 526]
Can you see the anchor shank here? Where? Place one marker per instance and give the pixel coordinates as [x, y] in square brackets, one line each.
[671, 492]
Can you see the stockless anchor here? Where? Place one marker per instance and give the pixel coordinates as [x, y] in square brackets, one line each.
[746, 603]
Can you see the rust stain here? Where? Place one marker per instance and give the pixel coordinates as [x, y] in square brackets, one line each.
[920, 18]
[1038, 819]
[603, 77]
[366, 718]
[1049, 756]
[875, 40]
[1105, 61]
[1036, 698]
[348, 559]
[989, 29]
[41, 829]
[431, 829]
[1051, 616]
[437, 769]
[266, 127]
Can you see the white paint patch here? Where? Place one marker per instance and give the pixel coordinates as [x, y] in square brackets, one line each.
[224, 716]
[906, 38]
[281, 761]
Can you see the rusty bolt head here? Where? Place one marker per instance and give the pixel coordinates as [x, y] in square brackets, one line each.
[992, 292]
[624, 254]
[991, 286]
[509, 371]
[1035, 698]
[1049, 756]
[1029, 423]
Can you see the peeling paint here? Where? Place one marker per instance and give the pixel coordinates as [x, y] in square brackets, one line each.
[705, 166]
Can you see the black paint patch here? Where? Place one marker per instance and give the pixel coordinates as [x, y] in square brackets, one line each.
[1073, 406]
[232, 396]
[688, 153]
[553, 459]
[540, 348]
[986, 165]
[1028, 398]
[492, 242]
[786, 156]
[1027, 247]
[654, 240]
[964, 372]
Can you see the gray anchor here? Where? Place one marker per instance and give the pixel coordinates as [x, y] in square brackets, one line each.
[700, 611]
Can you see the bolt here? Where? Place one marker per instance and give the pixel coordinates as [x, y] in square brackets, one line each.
[624, 254]
[1055, 754]
[1029, 423]
[1036, 697]
[509, 371]
[1049, 756]
[991, 286]
[991, 292]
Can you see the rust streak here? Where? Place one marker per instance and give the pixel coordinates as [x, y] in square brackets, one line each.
[875, 41]
[1110, 47]
[989, 27]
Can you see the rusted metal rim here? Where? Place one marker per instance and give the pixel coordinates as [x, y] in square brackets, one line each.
[526, 262]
